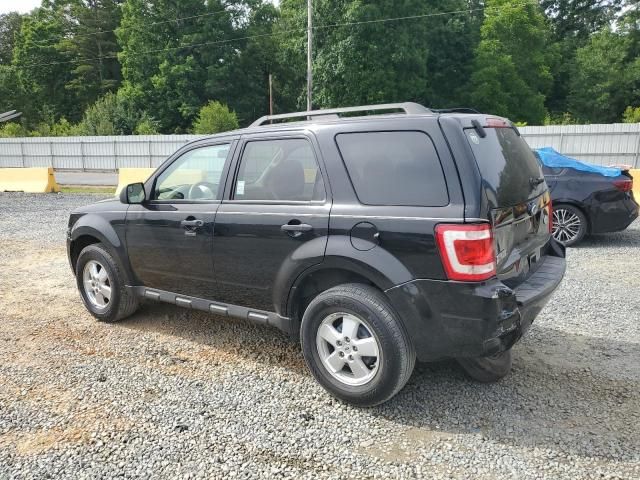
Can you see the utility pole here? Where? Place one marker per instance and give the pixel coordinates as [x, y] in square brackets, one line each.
[309, 51]
[270, 94]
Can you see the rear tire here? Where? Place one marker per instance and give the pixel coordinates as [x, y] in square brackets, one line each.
[102, 285]
[376, 358]
[488, 369]
[569, 224]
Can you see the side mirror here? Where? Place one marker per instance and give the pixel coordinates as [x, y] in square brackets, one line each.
[133, 193]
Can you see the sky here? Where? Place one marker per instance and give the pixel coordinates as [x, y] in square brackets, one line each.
[24, 6]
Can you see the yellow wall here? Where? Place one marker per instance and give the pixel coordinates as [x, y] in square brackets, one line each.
[635, 173]
[132, 175]
[30, 180]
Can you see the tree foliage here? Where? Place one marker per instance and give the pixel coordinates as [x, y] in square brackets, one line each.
[215, 117]
[512, 74]
[146, 66]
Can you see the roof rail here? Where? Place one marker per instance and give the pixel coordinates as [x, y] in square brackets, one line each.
[334, 113]
[455, 110]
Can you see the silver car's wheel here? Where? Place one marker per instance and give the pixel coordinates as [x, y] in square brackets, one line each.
[97, 284]
[569, 225]
[348, 348]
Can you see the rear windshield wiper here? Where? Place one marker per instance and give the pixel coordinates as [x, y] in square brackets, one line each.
[534, 182]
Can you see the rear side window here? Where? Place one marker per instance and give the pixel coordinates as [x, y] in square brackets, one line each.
[394, 168]
[284, 170]
[507, 164]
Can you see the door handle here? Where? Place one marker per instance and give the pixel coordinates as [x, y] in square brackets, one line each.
[299, 227]
[192, 223]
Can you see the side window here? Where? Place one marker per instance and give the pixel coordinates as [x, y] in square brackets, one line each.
[279, 170]
[394, 168]
[193, 176]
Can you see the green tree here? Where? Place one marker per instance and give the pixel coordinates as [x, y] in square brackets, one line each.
[605, 80]
[42, 67]
[215, 117]
[512, 74]
[9, 28]
[572, 23]
[170, 68]
[631, 115]
[95, 70]
[114, 115]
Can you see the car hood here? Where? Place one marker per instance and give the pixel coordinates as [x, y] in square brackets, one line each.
[108, 204]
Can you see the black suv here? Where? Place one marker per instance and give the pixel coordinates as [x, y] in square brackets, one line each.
[374, 235]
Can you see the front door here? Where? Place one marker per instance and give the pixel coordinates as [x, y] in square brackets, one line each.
[273, 222]
[170, 237]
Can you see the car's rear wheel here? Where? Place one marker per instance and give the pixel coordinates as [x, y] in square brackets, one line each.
[355, 345]
[487, 369]
[569, 224]
[102, 285]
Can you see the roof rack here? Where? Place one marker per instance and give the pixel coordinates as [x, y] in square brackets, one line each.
[455, 110]
[334, 113]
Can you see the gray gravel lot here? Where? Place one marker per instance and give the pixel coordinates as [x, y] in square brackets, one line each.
[173, 393]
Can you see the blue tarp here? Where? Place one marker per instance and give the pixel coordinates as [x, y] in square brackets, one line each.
[552, 159]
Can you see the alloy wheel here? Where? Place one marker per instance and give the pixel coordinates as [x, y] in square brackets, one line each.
[348, 348]
[566, 225]
[97, 284]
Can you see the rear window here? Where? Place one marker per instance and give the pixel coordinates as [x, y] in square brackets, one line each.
[507, 165]
[394, 168]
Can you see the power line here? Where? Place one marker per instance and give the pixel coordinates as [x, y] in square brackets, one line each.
[150, 24]
[273, 34]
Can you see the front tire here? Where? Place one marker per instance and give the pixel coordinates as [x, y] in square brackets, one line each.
[102, 285]
[355, 345]
[488, 369]
[569, 224]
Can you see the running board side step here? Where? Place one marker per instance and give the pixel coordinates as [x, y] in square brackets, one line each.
[217, 308]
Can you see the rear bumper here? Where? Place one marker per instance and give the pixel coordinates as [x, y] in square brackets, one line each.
[454, 319]
[613, 216]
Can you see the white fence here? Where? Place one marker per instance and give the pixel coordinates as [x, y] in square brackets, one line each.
[90, 153]
[617, 143]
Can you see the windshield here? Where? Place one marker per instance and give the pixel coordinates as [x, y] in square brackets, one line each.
[508, 166]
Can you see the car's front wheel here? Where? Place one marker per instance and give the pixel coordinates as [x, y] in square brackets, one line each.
[102, 285]
[569, 224]
[355, 345]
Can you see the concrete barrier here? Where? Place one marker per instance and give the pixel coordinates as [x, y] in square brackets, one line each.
[132, 175]
[29, 180]
[635, 173]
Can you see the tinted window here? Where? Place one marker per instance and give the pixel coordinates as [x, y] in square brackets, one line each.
[193, 176]
[279, 170]
[507, 165]
[394, 168]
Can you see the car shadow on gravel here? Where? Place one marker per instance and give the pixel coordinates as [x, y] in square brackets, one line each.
[227, 336]
[562, 396]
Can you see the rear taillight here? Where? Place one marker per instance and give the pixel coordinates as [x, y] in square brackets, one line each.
[550, 216]
[623, 185]
[467, 251]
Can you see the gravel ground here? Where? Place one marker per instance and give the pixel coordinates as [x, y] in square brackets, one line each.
[172, 393]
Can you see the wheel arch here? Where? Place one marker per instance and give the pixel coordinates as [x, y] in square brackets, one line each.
[330, 273]
[93, 230]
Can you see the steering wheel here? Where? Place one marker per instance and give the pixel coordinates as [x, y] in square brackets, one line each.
[201, 190]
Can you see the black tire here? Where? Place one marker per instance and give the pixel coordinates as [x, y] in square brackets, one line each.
[123, 301]
[488, 369]
[561, 234]
[396, 352]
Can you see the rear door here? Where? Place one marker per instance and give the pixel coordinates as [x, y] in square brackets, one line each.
[274, 220]
[517, 196]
